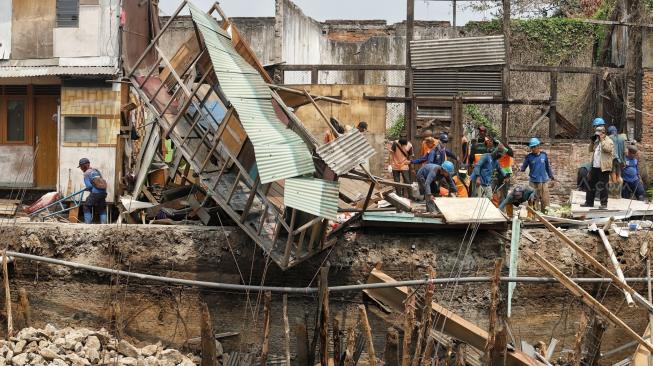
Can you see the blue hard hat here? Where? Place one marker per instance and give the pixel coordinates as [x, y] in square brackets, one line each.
[448, 166]
[534, 142]
[598, 121]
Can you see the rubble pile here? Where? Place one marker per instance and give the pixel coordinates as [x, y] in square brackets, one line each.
[80, 347]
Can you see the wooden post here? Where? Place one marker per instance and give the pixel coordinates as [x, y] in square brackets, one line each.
[391, 352]
[5, 274]
[336, 342]
[409, 320]
[589, 300]
[315, 76]
[302, 345]
[424, 327]
[505, 87]
[554, 101]
[578, 342]
[23, 302]
[286, 330]
[351, 341]
[461, 349]
[427, 357]
[367, 332]
[265, 349]
[209, 353]
[594, 342]
[494, 304]
[409, 117]
[324, 316]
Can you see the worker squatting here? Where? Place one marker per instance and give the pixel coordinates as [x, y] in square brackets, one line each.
[491, 162]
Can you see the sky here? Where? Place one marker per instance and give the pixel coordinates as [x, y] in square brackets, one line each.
[391, 10]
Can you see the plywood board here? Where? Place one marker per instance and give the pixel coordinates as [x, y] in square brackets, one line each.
[8, 207]
[32, 25]
[469, 210]
[616, 206]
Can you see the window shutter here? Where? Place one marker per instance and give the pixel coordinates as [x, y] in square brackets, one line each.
[67, 13]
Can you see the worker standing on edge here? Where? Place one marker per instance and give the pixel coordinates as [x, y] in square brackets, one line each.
[429, 178]
[619, 153]
[633, 187]
[601, 149]
[97, 200]
[483, 172]
[516, 197]
[400, 152]
[539, 172]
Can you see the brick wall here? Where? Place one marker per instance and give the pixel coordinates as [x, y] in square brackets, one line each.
[646, 145]
[565, 158]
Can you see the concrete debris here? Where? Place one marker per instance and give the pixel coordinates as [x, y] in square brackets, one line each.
[80, 347]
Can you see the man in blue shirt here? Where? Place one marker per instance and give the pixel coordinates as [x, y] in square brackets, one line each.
[439, 154]
[619, 152]
[632, 187]
[484, 172]
[516, 197]
[97, 200]
[539, 172]
[429, 178]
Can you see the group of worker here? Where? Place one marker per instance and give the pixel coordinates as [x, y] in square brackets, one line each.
[491, 162]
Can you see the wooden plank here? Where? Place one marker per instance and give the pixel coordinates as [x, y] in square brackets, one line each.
[5, 276]
[324, 316]
[265, 348]
[613, 258]
[451, 324]
[588, 300]
[209, 352]
[286, 330]
[367, 333]
[469, 210]
[642, 354]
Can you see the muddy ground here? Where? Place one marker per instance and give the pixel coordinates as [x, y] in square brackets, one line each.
[156, 312]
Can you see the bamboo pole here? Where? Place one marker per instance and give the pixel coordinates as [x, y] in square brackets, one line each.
[266, 330]
[209, 352]
[286, 330]
[424, 327]
[324, 317]
[351, 342]
[5, 274]
[589, 300]
[494, 304]
[336, 341]
[614, 260]
[409, 320]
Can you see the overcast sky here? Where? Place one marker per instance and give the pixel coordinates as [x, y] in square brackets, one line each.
[391, 10]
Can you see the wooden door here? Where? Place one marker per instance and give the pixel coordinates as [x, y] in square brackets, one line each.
[45, 107]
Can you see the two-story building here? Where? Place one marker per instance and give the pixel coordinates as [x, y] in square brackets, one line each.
[57, 101]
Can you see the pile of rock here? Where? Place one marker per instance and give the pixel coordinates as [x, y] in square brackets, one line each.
[80, 347]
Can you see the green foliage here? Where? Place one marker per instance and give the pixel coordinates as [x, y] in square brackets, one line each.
[479, 119]
[397, 128]
[555, 39]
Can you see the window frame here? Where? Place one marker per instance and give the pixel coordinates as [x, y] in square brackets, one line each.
[4, 110]
[68, 22]
[79, 143]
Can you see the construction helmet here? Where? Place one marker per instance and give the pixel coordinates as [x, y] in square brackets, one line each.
[448, 167]
[444, 137]
[534, 142]
[598, 121]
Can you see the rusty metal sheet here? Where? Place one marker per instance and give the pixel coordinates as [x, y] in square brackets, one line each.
[346, 152]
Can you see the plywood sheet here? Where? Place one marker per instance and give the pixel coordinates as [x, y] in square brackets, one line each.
[469, 210]
[32, 25]
[616, 206]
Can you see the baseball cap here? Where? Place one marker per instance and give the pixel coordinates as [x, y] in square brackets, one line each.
[83, 161]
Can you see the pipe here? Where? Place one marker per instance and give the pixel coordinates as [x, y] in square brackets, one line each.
[304, 290]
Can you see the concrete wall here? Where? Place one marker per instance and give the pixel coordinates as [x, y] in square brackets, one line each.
[5, 29]
[302, 36]
[16, 163]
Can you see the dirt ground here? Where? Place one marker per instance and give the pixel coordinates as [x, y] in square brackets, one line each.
[157, 312]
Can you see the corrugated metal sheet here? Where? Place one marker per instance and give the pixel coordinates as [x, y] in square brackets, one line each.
[315, 196]
[346, 152]
[435, 82]
[31, 71]
[457, 52]
[443, 114]
[280, 152]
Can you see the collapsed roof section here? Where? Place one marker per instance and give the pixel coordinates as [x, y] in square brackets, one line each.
[253, 157]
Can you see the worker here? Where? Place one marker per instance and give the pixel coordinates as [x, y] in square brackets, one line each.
[601, 152]
[462, 183]
[484, 171]
[619, 153]
[425, 149]
[430, 178]
[439, 154]
[632, 180]
[539, 172]
[330, 135]
[430, 157]
[582, 177]
[479, 146]
[362, 126]
[505, 164]
[516, 197]
[400, 152]
[97, 200]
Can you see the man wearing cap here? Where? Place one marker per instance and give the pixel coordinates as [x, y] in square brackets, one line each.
[429, 178]
[362, 126]
[632, 187]
[97, 200]
[516, 197]
[438, 154]
[539, 172]
[601, 154]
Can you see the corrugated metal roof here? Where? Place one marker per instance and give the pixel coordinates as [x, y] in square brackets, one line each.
[346, 152]
[280, 152]
[31, 71]
[315, 196]
[457, 52]
[434, 113]
[434, 82]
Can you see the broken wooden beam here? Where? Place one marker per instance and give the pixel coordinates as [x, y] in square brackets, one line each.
[616, 280]
[409, 326]
[494, 304]
[446, 321]
[367, 333]
[391, 352]
[424, 326]
[5, 275]
[286, 330]
[209, 351]
[588, 300]
[613, 258]
[265, 349]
